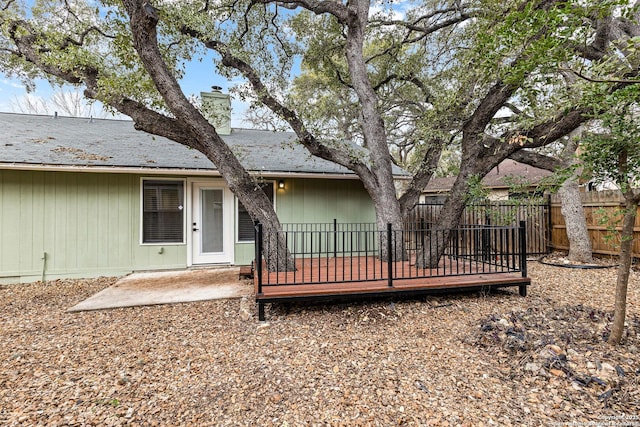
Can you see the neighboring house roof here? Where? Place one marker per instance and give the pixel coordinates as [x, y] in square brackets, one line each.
[35, 141]
[499, 177]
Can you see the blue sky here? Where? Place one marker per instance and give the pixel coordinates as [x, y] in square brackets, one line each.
[200, 76]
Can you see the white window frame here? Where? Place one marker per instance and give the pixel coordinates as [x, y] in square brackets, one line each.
[184, 211]
[274, 183]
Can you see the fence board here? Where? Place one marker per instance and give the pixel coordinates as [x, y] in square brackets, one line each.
[598, 206]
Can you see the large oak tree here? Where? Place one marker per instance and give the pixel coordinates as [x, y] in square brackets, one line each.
[474, 73]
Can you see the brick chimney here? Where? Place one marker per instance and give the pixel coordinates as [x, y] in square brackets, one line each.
[216, 107]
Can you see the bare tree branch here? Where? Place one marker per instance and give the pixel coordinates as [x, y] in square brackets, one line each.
[536, 160]
[8, 5]
[334, 8]
[595, 80]
[421, 178]
[314, 146]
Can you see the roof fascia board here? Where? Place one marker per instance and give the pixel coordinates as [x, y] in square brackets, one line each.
[168, 171]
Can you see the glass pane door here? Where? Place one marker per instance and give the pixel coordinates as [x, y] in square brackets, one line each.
[212, 205]
[211, 236]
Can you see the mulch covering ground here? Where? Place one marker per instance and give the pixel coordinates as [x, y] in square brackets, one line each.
[452, 360]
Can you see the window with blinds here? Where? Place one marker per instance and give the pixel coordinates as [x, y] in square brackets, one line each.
[245, 223]
[162, 211]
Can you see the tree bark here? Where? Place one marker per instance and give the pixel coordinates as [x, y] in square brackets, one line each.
[579, 241]
[388, 212]
[580, 249]
[632, 198]
[622, 281]
[143, 21]
[437, 238]
[383, 190]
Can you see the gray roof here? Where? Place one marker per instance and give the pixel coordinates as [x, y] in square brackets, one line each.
[80, 142]
[499, 177]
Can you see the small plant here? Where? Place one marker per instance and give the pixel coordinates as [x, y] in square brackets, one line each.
[108, 402]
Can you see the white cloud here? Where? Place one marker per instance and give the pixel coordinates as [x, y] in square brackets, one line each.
[392, 11]
[11, 83]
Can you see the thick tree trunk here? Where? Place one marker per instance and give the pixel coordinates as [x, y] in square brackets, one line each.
[144, 20]
[437, 238]
[381, 189]
[387, 210]
[275, 250]
[577, 233]
[574, 217]
[626, 237]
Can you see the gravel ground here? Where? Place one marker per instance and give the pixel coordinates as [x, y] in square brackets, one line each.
[466, 359]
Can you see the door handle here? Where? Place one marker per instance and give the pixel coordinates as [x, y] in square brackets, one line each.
[195, 229]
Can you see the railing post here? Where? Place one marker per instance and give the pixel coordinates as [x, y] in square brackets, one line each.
[549, 233]
[486, 243]
[335, 237]
[389, 256]
[258, 244]
[523, 248]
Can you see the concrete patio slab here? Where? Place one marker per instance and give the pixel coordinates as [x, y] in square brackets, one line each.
[169, 287]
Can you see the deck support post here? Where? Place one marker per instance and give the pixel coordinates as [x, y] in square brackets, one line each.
[389, 256]
[261, 316]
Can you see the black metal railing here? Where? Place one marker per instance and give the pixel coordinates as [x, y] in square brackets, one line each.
[333, 252]
[536, 214]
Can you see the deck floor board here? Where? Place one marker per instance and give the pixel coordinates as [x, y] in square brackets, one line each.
[353, 276]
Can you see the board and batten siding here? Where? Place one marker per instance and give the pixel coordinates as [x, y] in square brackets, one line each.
[72, 224]
[316, 201]
[78, 224]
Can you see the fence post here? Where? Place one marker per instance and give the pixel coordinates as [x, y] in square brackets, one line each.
[389, 256]
[258, 245]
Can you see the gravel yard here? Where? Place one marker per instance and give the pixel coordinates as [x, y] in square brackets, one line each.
[467, 359]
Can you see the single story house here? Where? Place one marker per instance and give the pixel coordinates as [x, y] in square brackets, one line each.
[85, 197]
[508, 180]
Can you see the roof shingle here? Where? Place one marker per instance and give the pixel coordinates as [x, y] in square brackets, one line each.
[65, 141]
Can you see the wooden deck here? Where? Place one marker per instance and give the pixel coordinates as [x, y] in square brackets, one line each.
[359, 277]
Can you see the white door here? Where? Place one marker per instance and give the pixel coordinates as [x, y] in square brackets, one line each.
[211, 224]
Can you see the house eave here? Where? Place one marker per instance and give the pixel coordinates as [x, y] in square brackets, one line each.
[166, 171]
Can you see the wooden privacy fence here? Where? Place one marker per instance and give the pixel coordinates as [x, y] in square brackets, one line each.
[603, 211]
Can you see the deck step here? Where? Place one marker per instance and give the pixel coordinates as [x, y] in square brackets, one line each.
[246, 272]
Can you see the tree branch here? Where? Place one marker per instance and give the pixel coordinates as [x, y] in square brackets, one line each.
[334, 8]
[536, 160]
[314, 146]
[144, 118]
[594, 80]
[8, 5]
[421, 178]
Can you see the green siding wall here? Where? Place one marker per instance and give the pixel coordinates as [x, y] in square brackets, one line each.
[88, 224]
[317, 200]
